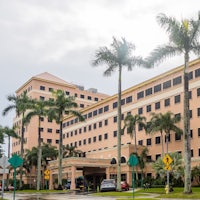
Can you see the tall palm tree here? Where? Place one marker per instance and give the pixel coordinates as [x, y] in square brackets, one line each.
[1, 139]
[130, 122]
[70, 151]
[164, 123]
[20, 104]
[39, 109]
[116, 58]
[63, 106]
[183, 39]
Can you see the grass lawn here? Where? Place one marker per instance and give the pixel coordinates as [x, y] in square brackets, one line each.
[156, 193]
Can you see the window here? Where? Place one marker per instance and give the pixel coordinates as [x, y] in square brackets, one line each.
[190, 113]
[49, 120]
[82, 96]
[41, 119]
[123, 159]
[191, 133]
[190, 75]
[199, 132]
[89, 98]
[89, 140]
[197, 73]
[158, 156]
[157, 105]
[94, 139]
[42, 87]
[100, 124]
[157, 88]
[84, 141]
[41, 129]
[178, 115]
[49, 141]
[140, 111]
[167, 137]
[114, 133]
[80, 130]
[190, 94]
[49, 130]
[50, 89]
[89, 128]
[67, 93]
[148, 91]
[148, 141]
[149, 108]
[177, 80]
[177, 99]
[114, 105]
[96, 99]
[140, 127]
[57, 141]
[106, 108]
[85, 129]
[106, 122]
[167, 102]
[192, 153]
[157, 140]
[105, 136]
[149, 159]
[140, 95]
[167, 84]
[129, 99]
[42, 98]
[198, 92]
[198, 112]
[79, 143]
[90, 115]
[140, 142]
[71, 133]
[94, 126]
[115, 119]
[100, 110]
[57, 131]
[100, 137]
[177, 136]
[75, 132]
[94, 112]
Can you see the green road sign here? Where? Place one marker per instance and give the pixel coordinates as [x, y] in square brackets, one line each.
[133, 160]
[15, 161]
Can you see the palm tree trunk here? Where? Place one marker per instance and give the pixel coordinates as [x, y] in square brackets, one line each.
[134, 132]
[8, 146]
[60, 156]
[162, 145]
[119, 132]
[186, 131]
[22, 151]
[167, 137]
[39, 158]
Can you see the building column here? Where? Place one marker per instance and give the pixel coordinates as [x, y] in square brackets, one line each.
[129, 177]
[51, 181]
[107, 173]
[73, 178]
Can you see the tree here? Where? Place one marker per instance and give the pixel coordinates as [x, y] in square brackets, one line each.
[9, 132]
[116, 58]
[1, 139]
[130, 122]
[163, 123]
[39, 109]
[62, 106]
[70, 151]
[183, 39]
[20, 104]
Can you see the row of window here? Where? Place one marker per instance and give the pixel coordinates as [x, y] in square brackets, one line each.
[82, 96]
[167, 102]
[166, 85]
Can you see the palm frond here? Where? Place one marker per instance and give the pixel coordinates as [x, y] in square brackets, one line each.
[161, 53]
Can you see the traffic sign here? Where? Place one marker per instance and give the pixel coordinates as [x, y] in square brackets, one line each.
[15, 161]
[168, 167]
[46, 177]
[46, 172]
[167, 160]
[133, 160]
[4, 162]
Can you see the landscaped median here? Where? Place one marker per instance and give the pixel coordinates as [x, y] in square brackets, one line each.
[153, 193]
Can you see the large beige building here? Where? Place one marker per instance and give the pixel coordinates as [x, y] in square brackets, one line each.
[97, 135]
[41, 87]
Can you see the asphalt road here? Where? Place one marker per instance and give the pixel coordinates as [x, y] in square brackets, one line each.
[53, 196]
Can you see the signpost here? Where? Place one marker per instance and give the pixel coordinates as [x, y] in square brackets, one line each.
[133, 161]
[46, 176]
[167, 161]
[15, 162]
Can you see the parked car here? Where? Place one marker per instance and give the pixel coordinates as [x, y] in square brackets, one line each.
[124, 185]
[108, 185]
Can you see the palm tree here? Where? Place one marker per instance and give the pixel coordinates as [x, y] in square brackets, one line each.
[70, 151]
[130, 122]
[39, 109]
[9, 132]
[184, 39]
[164, 123]
[117, 57]
[20, 104]
[1, 139]
[62, 107]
